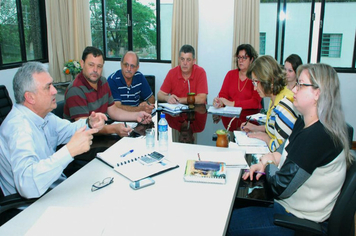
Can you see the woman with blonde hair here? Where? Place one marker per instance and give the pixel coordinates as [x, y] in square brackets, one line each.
[306, 178]
[268, 78]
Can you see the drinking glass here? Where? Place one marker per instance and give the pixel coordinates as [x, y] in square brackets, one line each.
[150, 138]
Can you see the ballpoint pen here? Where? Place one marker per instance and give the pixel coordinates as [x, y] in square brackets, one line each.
[127, 153]
[125, 124]
[257, 172]
[247, 121]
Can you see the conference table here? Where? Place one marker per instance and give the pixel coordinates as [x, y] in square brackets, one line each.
[169, 207]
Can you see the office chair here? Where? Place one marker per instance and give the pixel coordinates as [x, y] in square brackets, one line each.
[5, 103]
[59, 109]
[151, 81]
[341, 221]
[9, 204]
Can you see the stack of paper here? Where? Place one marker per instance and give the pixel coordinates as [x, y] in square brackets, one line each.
[225, 110]
[173, 108]
[250, 145]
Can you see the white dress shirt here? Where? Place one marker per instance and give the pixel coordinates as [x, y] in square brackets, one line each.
[29, 163]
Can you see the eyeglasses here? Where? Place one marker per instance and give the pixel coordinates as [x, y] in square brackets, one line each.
[299, 85]
[242, 58]
[101, 184]
[255, 82]
[126, 65]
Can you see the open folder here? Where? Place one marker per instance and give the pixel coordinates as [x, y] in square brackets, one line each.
[129, 166]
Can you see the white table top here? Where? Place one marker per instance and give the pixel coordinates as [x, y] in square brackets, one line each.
[169, 207]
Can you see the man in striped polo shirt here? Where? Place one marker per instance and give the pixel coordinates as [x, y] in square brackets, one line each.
[129, 87]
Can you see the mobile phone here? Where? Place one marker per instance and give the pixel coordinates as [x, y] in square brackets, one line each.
[142, 183]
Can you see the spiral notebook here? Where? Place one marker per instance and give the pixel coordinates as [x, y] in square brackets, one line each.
[205, 172]
[130, 166]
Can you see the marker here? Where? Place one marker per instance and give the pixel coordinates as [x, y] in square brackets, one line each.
[257, 172]
[127, 153]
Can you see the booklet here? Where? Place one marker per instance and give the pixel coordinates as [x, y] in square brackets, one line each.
[236, 111]
[173, 108]
[124, 156]
[205, 172]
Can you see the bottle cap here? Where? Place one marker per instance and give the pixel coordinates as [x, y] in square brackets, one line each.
[163, 115]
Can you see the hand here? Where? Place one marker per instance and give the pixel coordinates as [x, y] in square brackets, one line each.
[216, 118]
[249, 127]
[97, 120]
[81, 141]
[257, 167]
[121, 130]
[143, 117]
[260, 135]
[144, 106]
[217, 103]
[173, 99]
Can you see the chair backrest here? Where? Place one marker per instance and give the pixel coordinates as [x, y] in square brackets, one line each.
[5, 103]
[341, 221]
[59, 109]
[151, 81]
[350, 131]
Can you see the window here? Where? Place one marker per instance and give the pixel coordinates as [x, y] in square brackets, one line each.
[132, 25]
[23, 35]
[316, 30]
[331, 45]
[262, 43]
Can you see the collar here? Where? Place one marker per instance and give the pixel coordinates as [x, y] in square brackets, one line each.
[180, 76]
[85, 82]
[36, 119]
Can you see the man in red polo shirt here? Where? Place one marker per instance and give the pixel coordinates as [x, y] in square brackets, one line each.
[186, 77]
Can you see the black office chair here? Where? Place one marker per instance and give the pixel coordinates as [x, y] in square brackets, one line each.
[151, 79]
[341, 221]
[9, 204]
[59, 109]
[5, 103]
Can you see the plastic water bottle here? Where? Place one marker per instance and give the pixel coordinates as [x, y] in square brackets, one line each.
[163, 133]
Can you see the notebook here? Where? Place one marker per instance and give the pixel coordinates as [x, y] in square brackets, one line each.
[243, 140]
[236, 111]
[173, 108]
[130, 166]
[205, 172]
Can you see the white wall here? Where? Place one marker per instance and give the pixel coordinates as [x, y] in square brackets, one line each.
[214, 55]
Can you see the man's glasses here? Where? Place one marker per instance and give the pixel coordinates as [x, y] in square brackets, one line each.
[242, 58]
[101, 184]
[126, 65]
[299, 85]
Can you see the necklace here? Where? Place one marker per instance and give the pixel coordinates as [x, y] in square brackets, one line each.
[238, 85]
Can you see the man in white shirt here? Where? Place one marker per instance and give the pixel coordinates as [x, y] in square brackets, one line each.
[30, 134]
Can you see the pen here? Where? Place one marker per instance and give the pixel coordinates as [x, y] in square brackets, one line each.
[148, 103]
[125, 124]
[257, 172]
[247, 121]
[127, 153]
[198, 157]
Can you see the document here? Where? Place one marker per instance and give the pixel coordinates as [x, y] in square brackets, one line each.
[243, 140]
[232, 158]
[124, 157]
[173, 108]
[225, 110]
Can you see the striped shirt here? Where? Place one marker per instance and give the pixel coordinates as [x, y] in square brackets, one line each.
[81, 99]
[132, 95]
[281, 117]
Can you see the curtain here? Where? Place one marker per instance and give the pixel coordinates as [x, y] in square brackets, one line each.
[246, 25]
[68, 26]
[185, 25]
